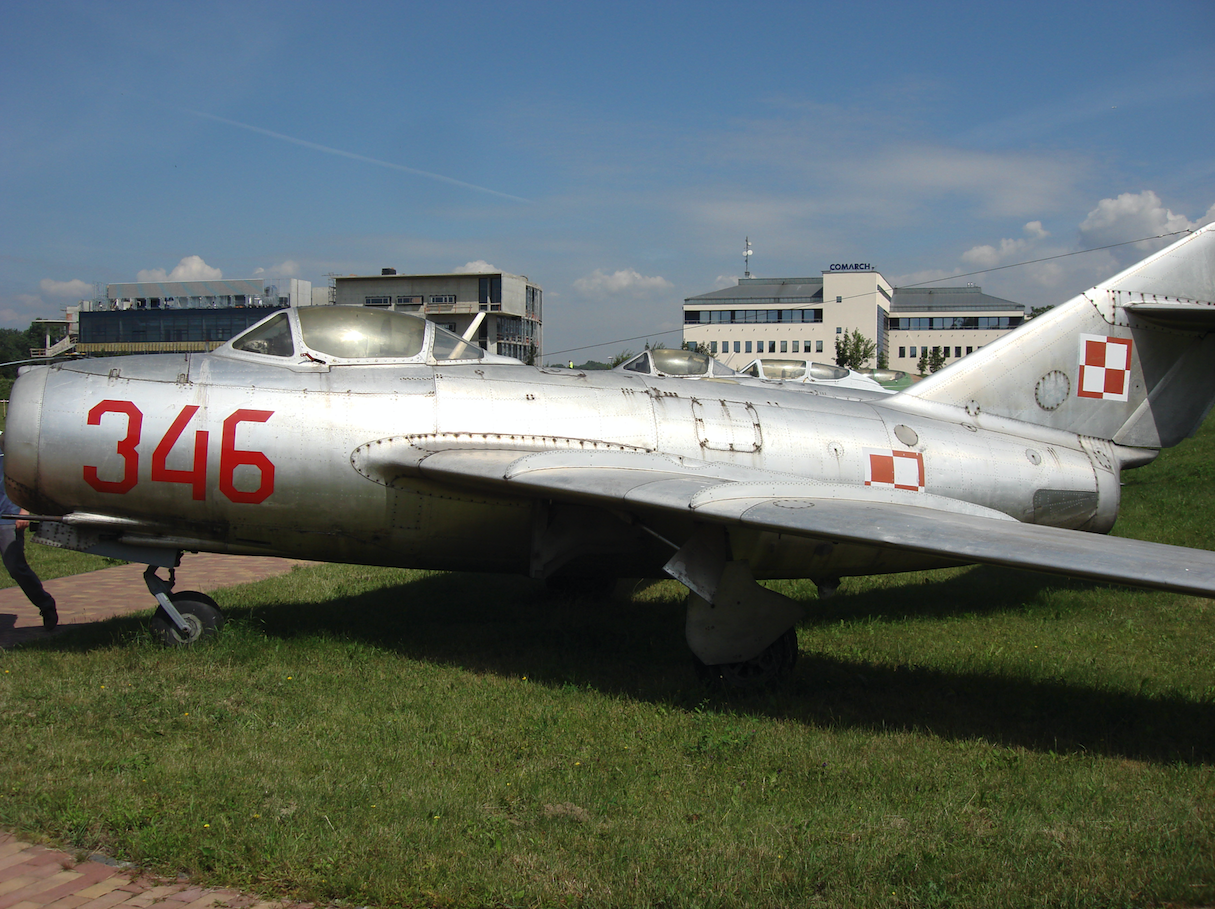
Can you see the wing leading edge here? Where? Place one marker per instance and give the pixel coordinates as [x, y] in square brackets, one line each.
[916, 522]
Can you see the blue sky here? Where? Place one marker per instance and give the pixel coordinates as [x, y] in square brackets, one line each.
[617, 154]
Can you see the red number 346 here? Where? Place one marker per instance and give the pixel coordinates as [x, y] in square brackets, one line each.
[230, 457]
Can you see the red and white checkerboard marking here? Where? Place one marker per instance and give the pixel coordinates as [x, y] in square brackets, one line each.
[1105, 368]
[899, 469]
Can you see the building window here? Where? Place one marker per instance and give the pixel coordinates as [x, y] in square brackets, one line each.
[926, 323]
[748, 347]
[410, 300]
[771, 347]
[839, 329]
[712, 347]
[784, 346]
[489, 290]
[818, 346]
[957, 351]
[970, 350]
[736, 346]
[442, 298]
[913, 352]
[795, 350]
[377, 301]
[902, 353]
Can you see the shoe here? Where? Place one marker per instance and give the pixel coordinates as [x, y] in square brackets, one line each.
[50, 617]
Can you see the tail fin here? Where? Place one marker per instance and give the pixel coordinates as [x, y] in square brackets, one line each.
[1131, 360]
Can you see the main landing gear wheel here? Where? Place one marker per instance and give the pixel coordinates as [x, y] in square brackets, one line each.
[201, 613]
[772, 666]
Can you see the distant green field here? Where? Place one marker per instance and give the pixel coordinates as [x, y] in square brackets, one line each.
[971, 737]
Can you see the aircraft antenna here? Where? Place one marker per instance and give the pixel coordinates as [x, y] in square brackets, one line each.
[747, 258]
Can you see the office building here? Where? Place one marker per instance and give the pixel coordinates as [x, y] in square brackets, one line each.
[805, 316]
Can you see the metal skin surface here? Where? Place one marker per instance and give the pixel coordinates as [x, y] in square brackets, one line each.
[325, 424]
[485, 464]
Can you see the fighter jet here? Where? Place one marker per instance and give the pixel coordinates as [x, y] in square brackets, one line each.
[353, 435]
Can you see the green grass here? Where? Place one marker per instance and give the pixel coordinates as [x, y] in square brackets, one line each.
[395, 738]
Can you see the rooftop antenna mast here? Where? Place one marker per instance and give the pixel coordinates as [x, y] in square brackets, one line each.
[747, 258]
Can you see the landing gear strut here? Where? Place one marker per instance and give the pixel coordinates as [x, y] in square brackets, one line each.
[185, 617]
[740, 633]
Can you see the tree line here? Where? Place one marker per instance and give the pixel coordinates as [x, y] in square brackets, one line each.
[16, 344]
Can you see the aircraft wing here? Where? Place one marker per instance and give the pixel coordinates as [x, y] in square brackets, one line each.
[914, 521]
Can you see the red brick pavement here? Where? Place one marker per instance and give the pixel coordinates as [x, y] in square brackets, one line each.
[36, 877]
[33, 877]
[97, 595]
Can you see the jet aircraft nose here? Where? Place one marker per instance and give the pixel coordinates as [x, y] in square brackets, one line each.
[22, 429]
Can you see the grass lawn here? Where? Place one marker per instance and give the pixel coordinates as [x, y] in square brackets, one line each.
[970, 737]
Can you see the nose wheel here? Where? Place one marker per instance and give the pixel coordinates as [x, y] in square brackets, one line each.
[201, 615]
[183, 618]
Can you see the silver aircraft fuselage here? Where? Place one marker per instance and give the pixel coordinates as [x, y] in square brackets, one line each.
[238, 452]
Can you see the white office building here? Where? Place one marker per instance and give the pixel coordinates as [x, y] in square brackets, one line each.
[805, 316]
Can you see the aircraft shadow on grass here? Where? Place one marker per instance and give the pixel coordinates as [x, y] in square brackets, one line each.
[499, 624]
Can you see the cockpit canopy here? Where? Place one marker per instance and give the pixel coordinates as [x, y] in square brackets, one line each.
[769, 368]
[668, 361]
[338, 335]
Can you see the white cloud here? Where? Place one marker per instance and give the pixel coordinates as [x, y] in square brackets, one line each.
[472, 268]
[190, 268]
[722, 281]
[988, 256]
[1134, 215]
[286, 269]
[75, 288]
[625, 281]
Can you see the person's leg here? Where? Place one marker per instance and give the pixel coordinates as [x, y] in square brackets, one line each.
[12, 550]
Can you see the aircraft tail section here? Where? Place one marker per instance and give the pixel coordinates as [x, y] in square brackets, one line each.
[1131, 360]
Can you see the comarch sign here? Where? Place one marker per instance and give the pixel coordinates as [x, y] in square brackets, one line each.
[854, 266]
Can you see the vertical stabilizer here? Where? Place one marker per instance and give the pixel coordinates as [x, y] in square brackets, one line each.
[1131, 360]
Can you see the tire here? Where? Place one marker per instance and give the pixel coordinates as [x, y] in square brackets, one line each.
[201, 613]
[771, 667]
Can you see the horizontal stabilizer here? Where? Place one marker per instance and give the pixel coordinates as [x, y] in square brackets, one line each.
[1180, 316]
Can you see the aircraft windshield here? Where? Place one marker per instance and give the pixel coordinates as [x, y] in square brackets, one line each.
[272, 337]
[357, 333]
[450, 346]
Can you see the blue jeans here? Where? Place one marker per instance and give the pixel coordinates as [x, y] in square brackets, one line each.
[12, 549]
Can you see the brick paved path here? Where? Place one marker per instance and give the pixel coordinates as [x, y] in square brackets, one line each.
[33, 877]
[97, 595]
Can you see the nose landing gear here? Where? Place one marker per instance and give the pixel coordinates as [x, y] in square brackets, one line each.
[183, 618]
